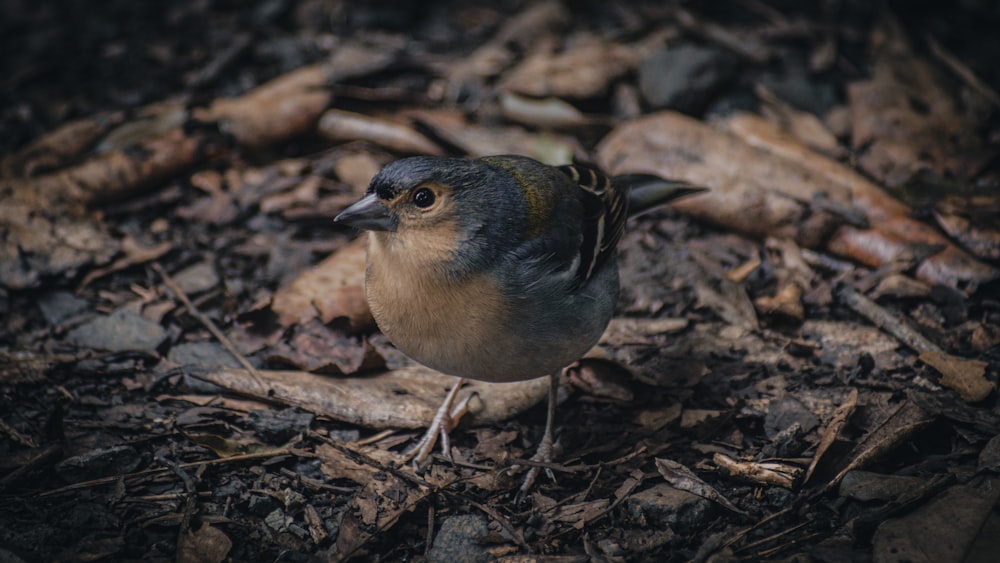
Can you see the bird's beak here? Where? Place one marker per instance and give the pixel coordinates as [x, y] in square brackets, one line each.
[368, 213]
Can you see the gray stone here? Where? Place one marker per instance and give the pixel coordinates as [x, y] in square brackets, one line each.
[57, 306]
[120, 331]
[784, 413]
[276, 520]
[197, 278]
[458, 540]
[684, 77]
[662, 505]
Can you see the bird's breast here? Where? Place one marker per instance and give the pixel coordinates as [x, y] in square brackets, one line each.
[452, 326]
[475, 328]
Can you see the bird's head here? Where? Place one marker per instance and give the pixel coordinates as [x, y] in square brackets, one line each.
[438, 210]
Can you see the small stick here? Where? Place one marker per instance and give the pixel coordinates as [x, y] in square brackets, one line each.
[885, 320]
[161, 470]
[194, 312]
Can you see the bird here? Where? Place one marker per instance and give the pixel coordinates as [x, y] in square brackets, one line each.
[498, 269]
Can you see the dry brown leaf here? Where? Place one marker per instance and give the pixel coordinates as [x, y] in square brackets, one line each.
[135, 254]
[906, 118]
[284, 107]
[900, 286]
[57, 148]
[340, 125]
[804, 126]
[786, 301]
[981, 239]
[622, 331]
[892, 233]
[375, 510]
[906, 420]
[545, 113]
[680, 477]
[747, 45]
[402, 398]
[602, 379]
[959, 524]
[832, 430]
[112, 175]
[466, 76]
[206, 545]
[314, 347]
[765, 183]
[477, 140]
[746, 183]
[357, 170]
[34, 244]
[332, 289]
[968, 377]
[149, 122]
[585, 69]
[225, 447]
[305, 193]
[336, 464]
[580, 513]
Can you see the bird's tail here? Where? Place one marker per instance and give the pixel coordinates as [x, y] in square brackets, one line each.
[646, 191]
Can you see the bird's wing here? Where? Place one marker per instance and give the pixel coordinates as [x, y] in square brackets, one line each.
[605, 210]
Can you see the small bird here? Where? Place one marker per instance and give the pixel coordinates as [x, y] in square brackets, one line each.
[498, 268]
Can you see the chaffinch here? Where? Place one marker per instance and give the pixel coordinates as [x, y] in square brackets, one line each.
[499, 268]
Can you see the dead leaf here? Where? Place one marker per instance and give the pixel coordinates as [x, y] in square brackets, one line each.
[832, 430]
[314, 347]
[340, 125]
[981, 239]
[906, 420]
[906, 119]
[224, 447]
[680, 477]
[953, 526]
[584, 69]
[286, 106]
[206, 545]
[547, 112]
[968, 377]
[764, 183]
[402, 398]
[467, 76]
[135, 254]
[356, 169]
[375, 510]
[477, 140]
[334, 288]
[36, 242]
[625, 331]
[59, 147]
[602, 379]
[804, 126]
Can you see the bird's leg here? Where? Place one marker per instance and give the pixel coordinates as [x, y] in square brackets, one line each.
[444, 420]
[544, 452]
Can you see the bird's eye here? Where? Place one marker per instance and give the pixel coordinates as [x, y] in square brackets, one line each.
[423, 198]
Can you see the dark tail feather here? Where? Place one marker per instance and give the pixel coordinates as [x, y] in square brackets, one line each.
[647, 191]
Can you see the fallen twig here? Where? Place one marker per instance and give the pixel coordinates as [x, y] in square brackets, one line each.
[194, 312]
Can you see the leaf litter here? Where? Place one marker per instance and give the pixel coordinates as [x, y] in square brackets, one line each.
[822, 321]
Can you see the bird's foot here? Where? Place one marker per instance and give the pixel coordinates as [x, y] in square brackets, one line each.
[445, 420]
[544, 452]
